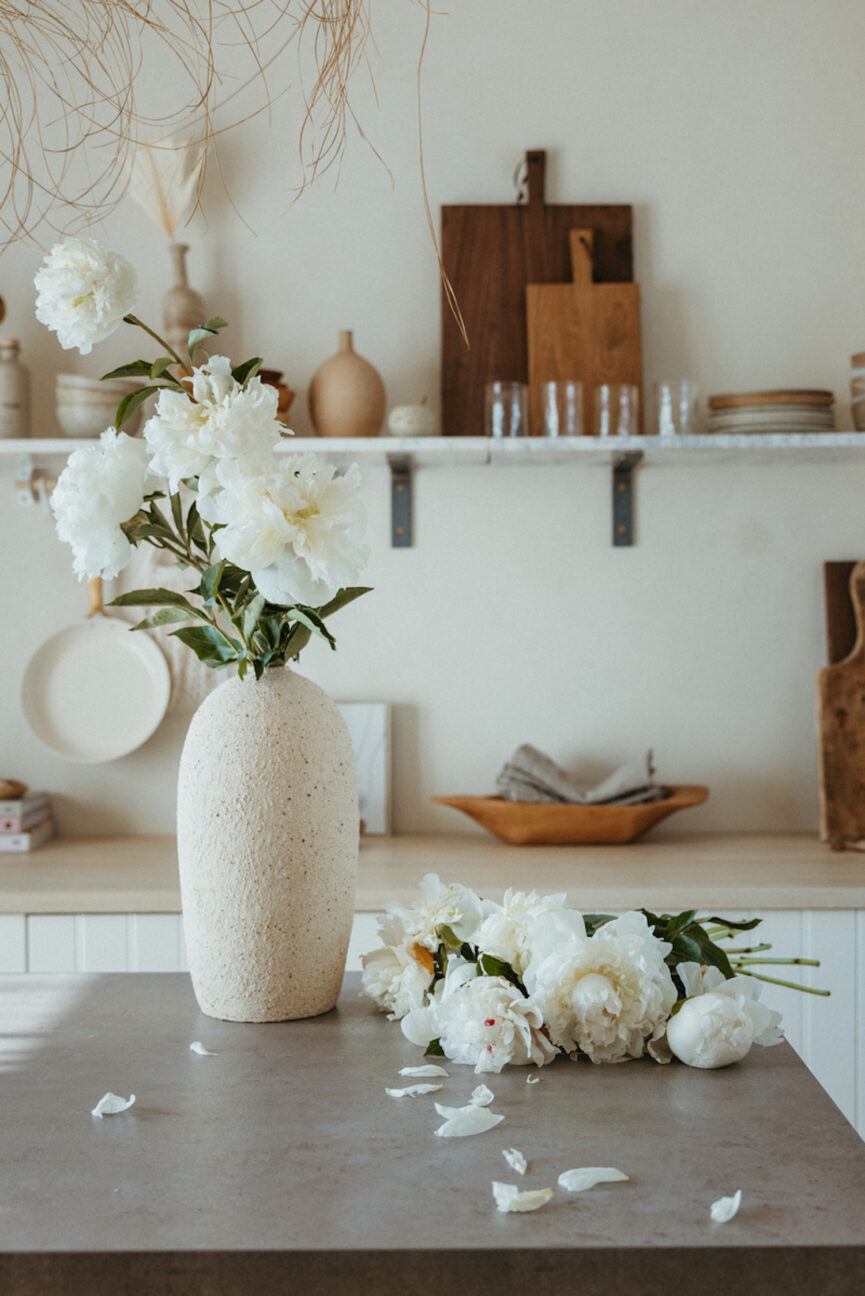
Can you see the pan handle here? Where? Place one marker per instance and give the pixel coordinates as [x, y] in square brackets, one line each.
[95, 588]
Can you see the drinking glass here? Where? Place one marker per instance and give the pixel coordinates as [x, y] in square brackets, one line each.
[507, 409]
[562, 408]
[617, 410]
[675, 407]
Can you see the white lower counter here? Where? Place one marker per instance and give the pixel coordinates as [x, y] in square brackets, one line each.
[829, 1034]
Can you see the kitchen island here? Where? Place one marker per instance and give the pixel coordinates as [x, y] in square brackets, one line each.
[280, 1164]
[112, 904]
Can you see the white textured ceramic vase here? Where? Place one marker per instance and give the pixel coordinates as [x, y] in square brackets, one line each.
[267, 831]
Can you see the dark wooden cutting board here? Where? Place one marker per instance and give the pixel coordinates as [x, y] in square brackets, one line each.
[841, 722]
[584, 331]
[490, 253]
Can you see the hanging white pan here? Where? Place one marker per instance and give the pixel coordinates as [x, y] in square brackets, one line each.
[95, 691]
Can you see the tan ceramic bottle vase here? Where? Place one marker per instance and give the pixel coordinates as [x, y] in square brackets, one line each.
[183, 308]
[346, 395]
[267, 839]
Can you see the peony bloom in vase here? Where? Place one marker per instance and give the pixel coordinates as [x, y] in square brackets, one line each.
[267, 800]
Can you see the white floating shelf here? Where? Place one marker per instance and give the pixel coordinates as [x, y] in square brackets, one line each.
[623, 454]
[452, 452]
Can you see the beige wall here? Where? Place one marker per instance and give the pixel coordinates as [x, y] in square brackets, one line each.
[734, 129]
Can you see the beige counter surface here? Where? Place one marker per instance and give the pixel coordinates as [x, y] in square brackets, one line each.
[759, 871]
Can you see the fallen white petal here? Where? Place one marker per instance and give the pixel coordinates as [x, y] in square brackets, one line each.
[429, 1070]
[412, 1091]
[197, 1047]
[111, 1103]
[509, 1198]
[533, 1079]
[725, 1207]
[481, 1096]
[515, 1160]
[587, 1176]
[466, 1121]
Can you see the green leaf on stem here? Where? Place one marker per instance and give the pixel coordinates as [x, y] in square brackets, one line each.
[131, 402]
[177, 512]
[211, 578]
[594, 921]
[131, 370]
[210, 645]
[342, 597]
[496, 967]
[165, 616]
[251, 614]
[735, 926]
[297, 640]
[153, 598]
[197, 336]
[434, 1049]
[247, 370]
[215, 324]
[310, 618]
[160, 366]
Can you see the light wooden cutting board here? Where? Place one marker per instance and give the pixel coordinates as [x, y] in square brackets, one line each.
[584, 331]
[841, 721]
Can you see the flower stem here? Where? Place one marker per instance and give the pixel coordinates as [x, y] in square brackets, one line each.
[133, 319]
[802, 962]
[791, 985]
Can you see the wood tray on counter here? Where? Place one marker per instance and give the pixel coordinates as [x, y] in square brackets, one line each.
[524, 823]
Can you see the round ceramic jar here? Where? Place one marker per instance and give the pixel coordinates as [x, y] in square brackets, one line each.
[411, 421]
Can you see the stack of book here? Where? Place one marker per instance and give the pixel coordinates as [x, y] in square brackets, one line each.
[26, 822]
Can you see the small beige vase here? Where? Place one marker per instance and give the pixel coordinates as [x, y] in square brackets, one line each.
[346, 395]
[183, 308]
[267, 834]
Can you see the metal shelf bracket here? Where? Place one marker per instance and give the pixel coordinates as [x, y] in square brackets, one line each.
[400, 502]
[623, 497]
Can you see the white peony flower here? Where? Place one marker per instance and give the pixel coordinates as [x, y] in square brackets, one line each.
[397, 979]
[192, 435]
[298, 528]
[718, 1025]
[606, 994]
[504, 931]
[83, 292]
[454, 906]
[480, 1021]
[100, 487]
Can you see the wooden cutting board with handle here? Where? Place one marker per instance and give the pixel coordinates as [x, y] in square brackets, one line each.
[583, 330]
[490, 253]
[841, 722]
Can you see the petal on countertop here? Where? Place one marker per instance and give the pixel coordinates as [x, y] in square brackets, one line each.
[413, 1091]
[725, 1207]
[111, 1104]
[533, 1079]
[197, 1047]
[584, 1177]
[429, 1070]
[509, 1198]
[481, 1096]
[466, 1121]
[515, 1160]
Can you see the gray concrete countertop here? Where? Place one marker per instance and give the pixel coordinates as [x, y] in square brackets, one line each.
[280, 1164]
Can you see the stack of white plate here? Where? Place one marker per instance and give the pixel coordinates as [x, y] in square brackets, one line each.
[795, 410]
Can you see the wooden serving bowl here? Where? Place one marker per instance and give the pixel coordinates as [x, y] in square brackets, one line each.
[524, 823]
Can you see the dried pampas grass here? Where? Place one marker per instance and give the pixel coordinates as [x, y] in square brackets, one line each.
[71, 119]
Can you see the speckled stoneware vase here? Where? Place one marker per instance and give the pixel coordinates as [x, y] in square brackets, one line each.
[267, 831]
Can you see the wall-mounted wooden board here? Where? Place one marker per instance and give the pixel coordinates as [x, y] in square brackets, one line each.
[841, 721]
[490, 253]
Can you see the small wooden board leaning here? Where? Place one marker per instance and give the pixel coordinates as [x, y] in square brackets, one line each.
[841, 725]
[583, 331]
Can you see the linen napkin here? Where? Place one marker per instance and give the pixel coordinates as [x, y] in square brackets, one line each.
[531, 775]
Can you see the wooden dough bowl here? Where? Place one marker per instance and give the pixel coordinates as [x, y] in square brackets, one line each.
[525, 823]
